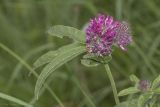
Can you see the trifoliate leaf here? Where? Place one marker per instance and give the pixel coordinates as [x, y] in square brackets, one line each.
[57, 62]
[49, 56]
[71, 32]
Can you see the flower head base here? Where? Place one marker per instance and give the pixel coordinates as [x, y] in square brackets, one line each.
[103, 32]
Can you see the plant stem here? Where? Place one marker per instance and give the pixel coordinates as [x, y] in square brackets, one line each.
[108, 71]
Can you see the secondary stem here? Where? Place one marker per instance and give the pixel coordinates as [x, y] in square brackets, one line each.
[108, 71]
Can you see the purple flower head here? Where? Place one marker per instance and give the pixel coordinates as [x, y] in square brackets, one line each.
[103, 32]
[123, 37]
[144, 85]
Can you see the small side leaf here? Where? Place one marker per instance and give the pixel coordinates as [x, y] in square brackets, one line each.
[134, 78]
[55, 64]
[128, 91]
[156, 82]
[71, 32]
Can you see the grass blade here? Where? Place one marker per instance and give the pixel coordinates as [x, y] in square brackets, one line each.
[31, 70]
[15, 100]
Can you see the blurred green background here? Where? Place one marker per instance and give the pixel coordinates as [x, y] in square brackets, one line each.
[23, 25]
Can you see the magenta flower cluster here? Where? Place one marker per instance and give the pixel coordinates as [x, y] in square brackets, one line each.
[144, 85]
[103, 32]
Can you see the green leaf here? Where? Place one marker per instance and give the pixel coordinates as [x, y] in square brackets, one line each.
[156, 82]
[141, 101]
[89, 63]
[45, 58]
[15, 100]
[49, 56]
[129, 103]
[91, 60]
[71, 32]
[103, 60]
[134, 78]
[127, 91]
[56, 63]
[157, 91]
[106, 59]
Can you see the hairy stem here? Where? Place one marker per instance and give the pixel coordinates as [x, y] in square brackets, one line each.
[108, 71]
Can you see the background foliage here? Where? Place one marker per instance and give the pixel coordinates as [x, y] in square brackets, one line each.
[23, 26]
